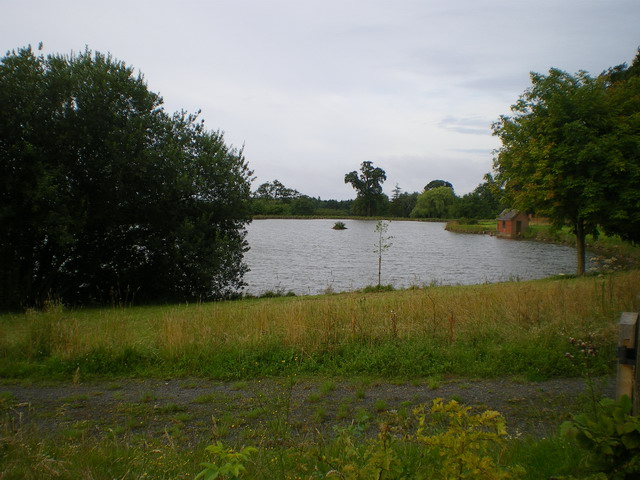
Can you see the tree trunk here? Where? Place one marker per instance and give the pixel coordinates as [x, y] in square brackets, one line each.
[580, 246]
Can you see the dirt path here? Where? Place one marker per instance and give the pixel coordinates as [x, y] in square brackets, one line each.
[259, 411]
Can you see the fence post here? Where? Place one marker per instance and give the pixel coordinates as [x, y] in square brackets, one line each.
[628, 371]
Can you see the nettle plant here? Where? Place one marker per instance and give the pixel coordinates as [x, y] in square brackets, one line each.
[612, 435]
[464, 441]
[459, 444]
[228, 464]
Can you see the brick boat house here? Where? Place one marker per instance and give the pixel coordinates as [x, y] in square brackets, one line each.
[512, 224]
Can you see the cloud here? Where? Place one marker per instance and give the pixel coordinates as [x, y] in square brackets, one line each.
[466, 126]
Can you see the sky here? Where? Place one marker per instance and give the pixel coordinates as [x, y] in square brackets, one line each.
[312, 88]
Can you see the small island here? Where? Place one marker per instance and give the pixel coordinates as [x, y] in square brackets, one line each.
[339, 226]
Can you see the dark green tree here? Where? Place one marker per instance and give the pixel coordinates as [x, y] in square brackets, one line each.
[437, 183]
[483, 202]
[402, 203]
[273, 198]
[571, 151]
[104, 196]
[368, 184]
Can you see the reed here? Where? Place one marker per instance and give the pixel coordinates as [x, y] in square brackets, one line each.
[480, 329]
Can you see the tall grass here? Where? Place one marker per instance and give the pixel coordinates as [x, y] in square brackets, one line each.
[483, 330]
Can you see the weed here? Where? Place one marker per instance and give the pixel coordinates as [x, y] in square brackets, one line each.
[314, 397]
[320, 414]
[182, 417]
[170, 408]
[344, 410]
[147, 397]
[327, 387]
[380, 405]
[227, 463]
[206, 398]
[434, 382]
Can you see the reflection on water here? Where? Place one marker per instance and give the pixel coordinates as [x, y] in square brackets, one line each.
[309, 257]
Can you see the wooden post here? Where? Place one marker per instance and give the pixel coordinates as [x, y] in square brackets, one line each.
[627, 380]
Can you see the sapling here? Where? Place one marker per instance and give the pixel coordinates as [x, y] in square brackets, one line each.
[383, 244]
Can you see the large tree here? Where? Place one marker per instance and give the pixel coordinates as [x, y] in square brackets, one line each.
[483, 202]
[104, 196]
[437, 202]
[368, 184]
[571, 151]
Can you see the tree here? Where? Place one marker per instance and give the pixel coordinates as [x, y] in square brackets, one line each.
[402, 203]
[434, 203]
[571, 152]
[483, 202]
[104, 195]
[275, 191]
[368, 184]
[437, 183]
[382, 245]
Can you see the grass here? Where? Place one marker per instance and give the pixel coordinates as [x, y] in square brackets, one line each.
[516, 328]
[288, 446]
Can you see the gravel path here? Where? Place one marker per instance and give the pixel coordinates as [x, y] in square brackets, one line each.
[197, 410]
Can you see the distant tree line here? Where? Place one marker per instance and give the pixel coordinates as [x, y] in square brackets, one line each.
[437, 200]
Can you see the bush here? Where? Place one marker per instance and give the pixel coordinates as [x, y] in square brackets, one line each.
[612, 434]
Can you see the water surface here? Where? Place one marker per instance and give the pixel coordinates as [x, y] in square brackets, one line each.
[309, 257]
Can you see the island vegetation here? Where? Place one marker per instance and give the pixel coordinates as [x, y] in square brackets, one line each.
[121, 224]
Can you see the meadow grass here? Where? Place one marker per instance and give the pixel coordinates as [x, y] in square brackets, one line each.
[514, 328]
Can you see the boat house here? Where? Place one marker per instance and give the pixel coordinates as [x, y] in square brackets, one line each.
[512, 224]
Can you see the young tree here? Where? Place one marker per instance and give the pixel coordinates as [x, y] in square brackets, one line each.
[102, 192]
[368, 185]
[382, 245]
[571, 151]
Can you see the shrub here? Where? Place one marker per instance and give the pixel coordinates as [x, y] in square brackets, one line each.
[612, 434]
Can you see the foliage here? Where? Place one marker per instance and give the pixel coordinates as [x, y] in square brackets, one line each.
[465, 441]
[368, 185]
[275, 191]
[612, 434]
[228, 462]
[434, 203]
[339, 226]
[437, 184]
[375, 459]
[402, 203]
[459, 445]
[570, 152]
[104, 196]
[483, 202]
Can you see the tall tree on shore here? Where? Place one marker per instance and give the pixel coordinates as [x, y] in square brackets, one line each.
[571, 151]
[104, 195]
[368, 184]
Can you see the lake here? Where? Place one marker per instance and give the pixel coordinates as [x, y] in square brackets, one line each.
[308, 257]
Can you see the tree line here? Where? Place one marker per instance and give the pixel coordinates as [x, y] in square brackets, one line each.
[437, 200]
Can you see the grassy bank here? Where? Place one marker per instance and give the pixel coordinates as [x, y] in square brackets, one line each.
[516, 328]
[610, 246]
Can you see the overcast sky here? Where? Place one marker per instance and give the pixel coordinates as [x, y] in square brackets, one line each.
[312, 88]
